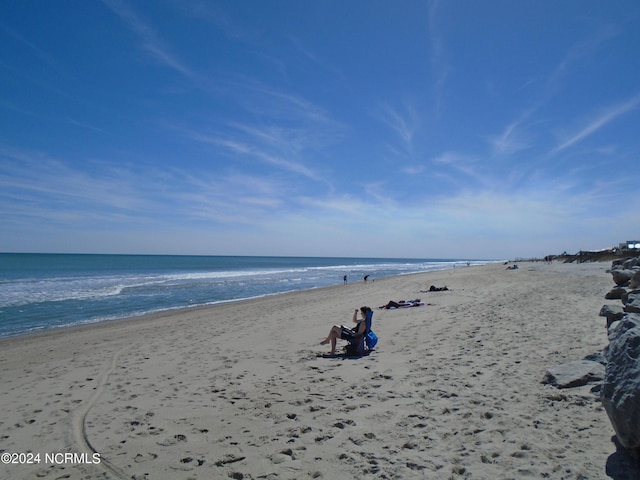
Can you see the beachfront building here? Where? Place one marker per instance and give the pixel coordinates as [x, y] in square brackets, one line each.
[631, 245]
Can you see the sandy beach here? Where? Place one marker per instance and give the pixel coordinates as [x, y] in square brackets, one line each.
[453, 389]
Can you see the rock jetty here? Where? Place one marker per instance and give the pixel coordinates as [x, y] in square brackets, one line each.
[620, 393]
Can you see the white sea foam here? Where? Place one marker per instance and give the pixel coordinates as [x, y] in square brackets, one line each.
[85, 289]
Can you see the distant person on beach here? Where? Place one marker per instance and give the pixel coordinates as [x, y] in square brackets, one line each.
[346, 333]
[344, 279]
[366, 277]
[433, 288]
[403, 304]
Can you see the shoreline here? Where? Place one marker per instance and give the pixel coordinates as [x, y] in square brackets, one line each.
[103, 292]
[453, 388]
[184, 309]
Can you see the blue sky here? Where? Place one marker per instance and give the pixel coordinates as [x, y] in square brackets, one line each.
[485, 129]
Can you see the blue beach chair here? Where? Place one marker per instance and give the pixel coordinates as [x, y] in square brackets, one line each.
[362, 344]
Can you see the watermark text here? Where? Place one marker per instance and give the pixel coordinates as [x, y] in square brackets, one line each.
[49, 458]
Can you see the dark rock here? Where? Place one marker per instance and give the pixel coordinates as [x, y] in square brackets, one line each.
[574, 374]
[597, 357]
[625, 295]
[622, 277]
[631, 262]
[635, 280]
[620, 392]
[615, 293]
[632, 302]
[612, 312]
[627, 262]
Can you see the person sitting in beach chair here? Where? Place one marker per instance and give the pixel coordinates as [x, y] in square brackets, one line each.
[355, 336]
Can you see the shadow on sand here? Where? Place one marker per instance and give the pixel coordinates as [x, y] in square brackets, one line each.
[621, 465]
[344, 356]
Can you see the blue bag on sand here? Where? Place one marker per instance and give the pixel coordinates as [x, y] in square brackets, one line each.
[371, 339]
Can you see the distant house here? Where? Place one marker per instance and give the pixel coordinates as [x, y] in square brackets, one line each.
[631, 245]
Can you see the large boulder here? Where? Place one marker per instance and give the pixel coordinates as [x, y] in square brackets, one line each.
[627, 262]
[635, 280]
[622, 277]
[631, 262]
[615, 293]
[620, 393]
[632, 302]
[574, 374]
[612, 312]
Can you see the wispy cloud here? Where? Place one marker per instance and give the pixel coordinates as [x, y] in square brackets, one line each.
[49, 190]
[458, 171]
[578, 53]
[42, 84]
[227, 198]
[249, 149]
[460, 162]
[84, 125]
[605, 117]
[147, 35]
[404, 124]
[214, 15]
[436, 42]
[270, 102]
[33, 48]
[47, 180]
[511, 140]
[334, 72]
[514, 138]
[413, 169]
[346, 203]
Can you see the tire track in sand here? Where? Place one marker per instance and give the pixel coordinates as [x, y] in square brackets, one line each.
[80, 417]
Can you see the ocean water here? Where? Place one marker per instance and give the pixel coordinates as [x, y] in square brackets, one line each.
[45, 291]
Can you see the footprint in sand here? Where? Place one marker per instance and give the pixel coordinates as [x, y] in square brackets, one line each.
[344, 423]
[173, 440]
[140, 458]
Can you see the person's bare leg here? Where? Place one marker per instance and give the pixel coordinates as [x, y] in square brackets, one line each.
[328, 339]
[334, 334]
[335, 331]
